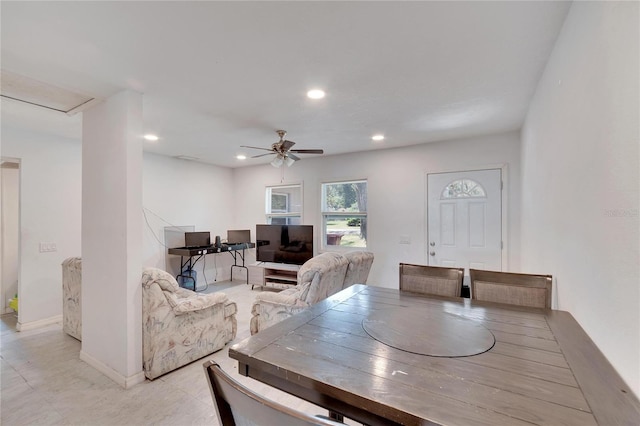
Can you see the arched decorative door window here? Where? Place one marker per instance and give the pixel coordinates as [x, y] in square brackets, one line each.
[463, 188]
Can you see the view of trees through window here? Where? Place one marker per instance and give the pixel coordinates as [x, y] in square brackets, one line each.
[344, 206]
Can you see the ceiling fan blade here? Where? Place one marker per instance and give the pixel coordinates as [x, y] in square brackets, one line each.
[261, 155]
[256, 147]
[308, 151]
[293, 157]
[286, 145]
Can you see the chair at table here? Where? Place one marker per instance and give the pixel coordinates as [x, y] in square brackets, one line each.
[511, 288]
[434, 280]
[239, 405]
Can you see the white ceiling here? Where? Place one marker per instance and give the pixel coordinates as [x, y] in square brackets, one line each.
[217, 75]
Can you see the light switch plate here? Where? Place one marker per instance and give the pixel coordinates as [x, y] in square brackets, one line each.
[48, 247]
[405, 239]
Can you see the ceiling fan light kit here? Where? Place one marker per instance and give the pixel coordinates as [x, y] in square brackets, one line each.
[282, 150]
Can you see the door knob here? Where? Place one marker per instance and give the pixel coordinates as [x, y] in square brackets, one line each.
[432, 243]
[433, 253]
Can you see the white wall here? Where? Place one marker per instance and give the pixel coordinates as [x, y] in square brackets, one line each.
[580, 178]
[50, 211]
[178, 191]
[396, 193]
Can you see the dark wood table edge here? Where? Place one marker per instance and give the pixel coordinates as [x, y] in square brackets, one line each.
[611, 400]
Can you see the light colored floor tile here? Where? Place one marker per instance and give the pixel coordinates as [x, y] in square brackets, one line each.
[44, 382]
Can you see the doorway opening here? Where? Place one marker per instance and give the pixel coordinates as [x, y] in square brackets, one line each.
[10, 237]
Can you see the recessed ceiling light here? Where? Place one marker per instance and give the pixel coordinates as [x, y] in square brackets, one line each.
[377, 137]
[151, 137]
[241, 157]
[315, 94]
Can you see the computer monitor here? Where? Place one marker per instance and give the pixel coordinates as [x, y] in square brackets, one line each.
[197, 239]
[239, 236]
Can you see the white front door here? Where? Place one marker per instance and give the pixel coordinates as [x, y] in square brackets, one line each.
[465, 219]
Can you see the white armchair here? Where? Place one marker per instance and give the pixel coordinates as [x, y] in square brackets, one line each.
[318, 278]
[180, 326]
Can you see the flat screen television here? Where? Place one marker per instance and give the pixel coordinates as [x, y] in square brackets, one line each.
[284, 243]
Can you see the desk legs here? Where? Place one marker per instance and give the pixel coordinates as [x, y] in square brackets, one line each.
[183, 264]
[235, 254]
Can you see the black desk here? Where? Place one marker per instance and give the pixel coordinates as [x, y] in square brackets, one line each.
[192, 256]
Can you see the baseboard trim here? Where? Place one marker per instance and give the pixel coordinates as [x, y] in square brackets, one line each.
[125, 382]
[25, 326]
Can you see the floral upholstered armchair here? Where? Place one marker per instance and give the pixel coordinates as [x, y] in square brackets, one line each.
[318, 278]
[72, 297]
[180, 326]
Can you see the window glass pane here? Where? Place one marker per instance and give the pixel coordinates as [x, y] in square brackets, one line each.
[346, 231]
[284, 199]
[284, 220]
[283, 205]
[344, 197]
[344, 214]
[463, 188]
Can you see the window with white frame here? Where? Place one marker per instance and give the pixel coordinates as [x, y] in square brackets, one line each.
[344, 214]
[283, 204]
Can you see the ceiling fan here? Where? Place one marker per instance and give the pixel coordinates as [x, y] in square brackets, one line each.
[282, 150]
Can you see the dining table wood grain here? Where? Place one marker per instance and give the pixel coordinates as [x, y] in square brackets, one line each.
[543, 368]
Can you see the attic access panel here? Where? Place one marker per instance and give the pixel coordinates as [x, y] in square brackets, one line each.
[25, 89]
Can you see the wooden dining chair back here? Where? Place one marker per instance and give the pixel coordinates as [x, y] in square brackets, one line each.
[511, 288]
[434, 280]
[239, 405]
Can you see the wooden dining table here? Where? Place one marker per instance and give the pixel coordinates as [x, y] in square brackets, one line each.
[381, 356]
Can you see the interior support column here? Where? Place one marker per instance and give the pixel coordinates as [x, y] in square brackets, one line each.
[112, 238]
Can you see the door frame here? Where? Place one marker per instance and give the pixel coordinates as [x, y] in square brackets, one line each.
[5, 309]
[504, 211]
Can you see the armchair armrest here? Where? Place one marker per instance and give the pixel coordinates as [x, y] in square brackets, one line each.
[270, 308]
[291, 296]
[194, 302]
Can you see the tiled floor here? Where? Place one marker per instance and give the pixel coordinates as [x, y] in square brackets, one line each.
[44, 382]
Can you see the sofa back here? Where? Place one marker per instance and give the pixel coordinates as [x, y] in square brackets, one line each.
[359, 265]
[323, 275]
